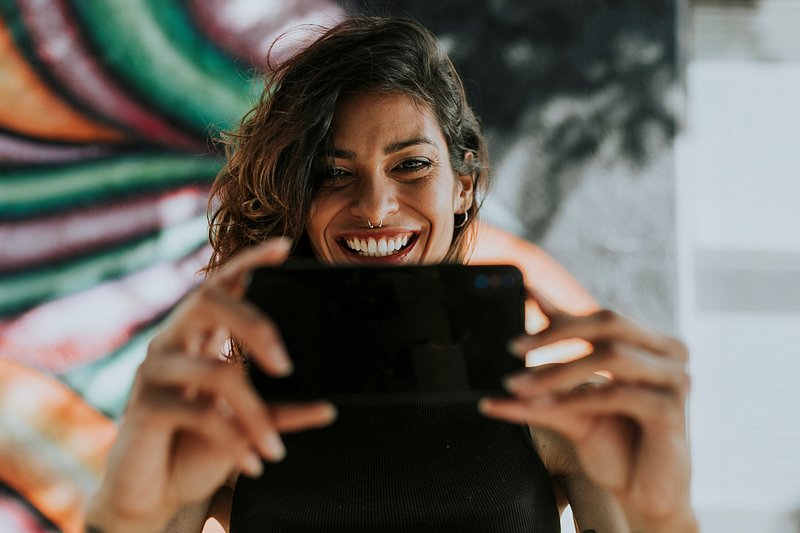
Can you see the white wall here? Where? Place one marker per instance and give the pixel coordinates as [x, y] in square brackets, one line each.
[739, 250]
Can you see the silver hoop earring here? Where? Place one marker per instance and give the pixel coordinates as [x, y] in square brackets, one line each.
[463, 222]
[372, 226]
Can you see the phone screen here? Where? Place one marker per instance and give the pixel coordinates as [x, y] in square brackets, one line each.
[391, 333]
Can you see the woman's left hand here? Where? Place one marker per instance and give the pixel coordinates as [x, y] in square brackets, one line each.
[628, 431]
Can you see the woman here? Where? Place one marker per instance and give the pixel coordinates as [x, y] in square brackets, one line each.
[364, 150]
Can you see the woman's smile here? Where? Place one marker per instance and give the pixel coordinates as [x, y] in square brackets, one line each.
[378, 245]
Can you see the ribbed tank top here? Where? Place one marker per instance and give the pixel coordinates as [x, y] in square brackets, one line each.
[426, 466]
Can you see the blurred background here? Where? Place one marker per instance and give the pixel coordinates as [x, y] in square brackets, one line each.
[738, 185]
[647, 147]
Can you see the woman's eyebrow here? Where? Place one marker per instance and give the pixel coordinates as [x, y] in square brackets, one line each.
[399, 145]
[389, 149]
[342, 154]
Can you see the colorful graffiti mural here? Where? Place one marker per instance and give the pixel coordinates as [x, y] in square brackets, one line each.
[109, 111]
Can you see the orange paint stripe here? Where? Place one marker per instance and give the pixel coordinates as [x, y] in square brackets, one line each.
[31, 108]
[54, 444]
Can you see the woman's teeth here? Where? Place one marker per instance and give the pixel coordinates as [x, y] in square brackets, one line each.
[377, 247]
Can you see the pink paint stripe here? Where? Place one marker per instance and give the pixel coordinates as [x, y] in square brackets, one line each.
[59, 45]
[246, 29]
[16, 517]
[81, 328]
[44, 240]
[17, 150]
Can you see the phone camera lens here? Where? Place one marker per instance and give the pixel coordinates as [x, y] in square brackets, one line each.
[481, 281]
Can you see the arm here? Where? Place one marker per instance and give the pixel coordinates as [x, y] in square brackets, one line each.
[194, 419]
[593, 508]
[212, 516]
[629, 435]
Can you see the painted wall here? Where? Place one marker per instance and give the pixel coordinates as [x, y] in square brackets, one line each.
[108, 114]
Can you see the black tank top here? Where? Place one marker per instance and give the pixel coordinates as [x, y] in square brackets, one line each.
[428, 466]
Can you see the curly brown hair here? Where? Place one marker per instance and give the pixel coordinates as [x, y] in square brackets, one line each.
[277, 158]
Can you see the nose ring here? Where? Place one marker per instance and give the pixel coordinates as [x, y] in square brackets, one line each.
[372, 226]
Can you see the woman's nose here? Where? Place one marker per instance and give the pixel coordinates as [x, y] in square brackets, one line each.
[375, 199]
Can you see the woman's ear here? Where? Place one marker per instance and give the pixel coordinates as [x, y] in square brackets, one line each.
[466, 187]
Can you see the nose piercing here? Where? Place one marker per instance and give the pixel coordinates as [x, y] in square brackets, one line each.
[378, 225]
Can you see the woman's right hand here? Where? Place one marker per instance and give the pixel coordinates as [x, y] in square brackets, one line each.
[193, 419]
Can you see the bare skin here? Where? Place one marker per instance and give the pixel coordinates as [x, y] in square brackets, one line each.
[618, 453]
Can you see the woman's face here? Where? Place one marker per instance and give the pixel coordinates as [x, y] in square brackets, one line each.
[389, 169]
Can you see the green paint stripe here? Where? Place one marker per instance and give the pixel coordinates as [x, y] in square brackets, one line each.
[22, 291]
[106, 383]
[129, 38]
[180, 29]
[31, 190]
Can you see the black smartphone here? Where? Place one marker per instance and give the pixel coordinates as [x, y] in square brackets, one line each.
[365, 334]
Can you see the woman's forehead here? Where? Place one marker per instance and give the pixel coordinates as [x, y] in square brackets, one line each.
[389, 121]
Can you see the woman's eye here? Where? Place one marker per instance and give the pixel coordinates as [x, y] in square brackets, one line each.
[413, 165]
[336, 173]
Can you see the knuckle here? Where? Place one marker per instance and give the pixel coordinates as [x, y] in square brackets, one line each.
[210, 418]
[684, 381]
[679, 348]
[609, 355]
[146, 411]
[251, 319]
[204, 296]
[662, 410]
[605, 316]
[618, 394]
[155, 346]
[226, 375]
[147, 370]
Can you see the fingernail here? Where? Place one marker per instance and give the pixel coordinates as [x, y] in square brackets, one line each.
[515, 347]
[512, 383]
[331, 412]
[246, 280]
[274, 447]
[284, 242]
[252, 465]
[484, 405]
[283, 365]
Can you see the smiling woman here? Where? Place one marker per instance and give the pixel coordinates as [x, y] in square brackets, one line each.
[365, 102]
[363, 150]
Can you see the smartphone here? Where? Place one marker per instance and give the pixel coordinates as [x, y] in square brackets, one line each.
[365, 334]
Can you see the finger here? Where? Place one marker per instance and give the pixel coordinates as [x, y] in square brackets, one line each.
[653, 408]
[206, 344]
[215, 343]
[569, 414]
[234, 275]
[223, 381]
[517, 410]
[548, 308]
[296, 417]
[602, 326]
[203, 420]
[212, 309]
[617, 361]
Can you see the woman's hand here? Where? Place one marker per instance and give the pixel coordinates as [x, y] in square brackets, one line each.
[622, 406]
[194, 419]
